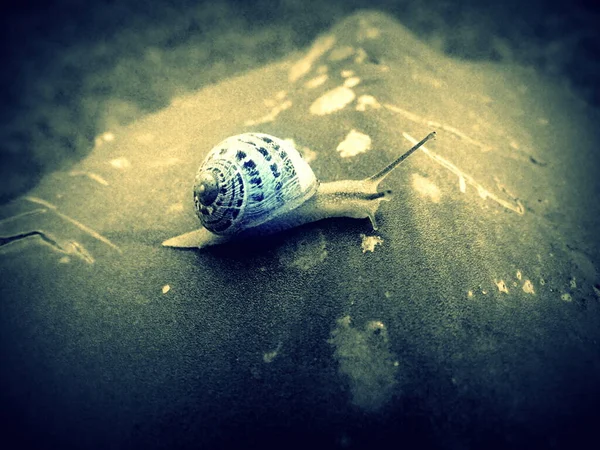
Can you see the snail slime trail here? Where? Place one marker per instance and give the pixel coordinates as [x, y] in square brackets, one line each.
[254, 184]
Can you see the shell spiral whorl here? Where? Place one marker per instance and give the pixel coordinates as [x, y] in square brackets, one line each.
[248, 179]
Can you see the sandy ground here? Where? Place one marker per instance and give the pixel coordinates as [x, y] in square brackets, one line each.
[72, 72]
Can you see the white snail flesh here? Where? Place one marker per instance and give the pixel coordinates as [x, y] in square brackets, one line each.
[256, 184]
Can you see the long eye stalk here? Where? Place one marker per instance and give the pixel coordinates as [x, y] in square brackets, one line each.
[379, 176]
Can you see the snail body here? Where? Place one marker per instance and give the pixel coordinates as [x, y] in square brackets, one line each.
[255, 184]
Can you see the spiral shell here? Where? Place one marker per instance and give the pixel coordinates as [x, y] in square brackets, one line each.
[249, 179]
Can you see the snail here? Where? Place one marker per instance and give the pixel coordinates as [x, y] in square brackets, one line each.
[255, 184]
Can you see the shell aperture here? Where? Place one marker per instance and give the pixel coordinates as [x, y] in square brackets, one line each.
[249, 179]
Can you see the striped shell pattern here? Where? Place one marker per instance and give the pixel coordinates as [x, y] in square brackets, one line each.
[249, 179]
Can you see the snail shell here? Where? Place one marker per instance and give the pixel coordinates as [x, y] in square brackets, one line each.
[249, 179]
